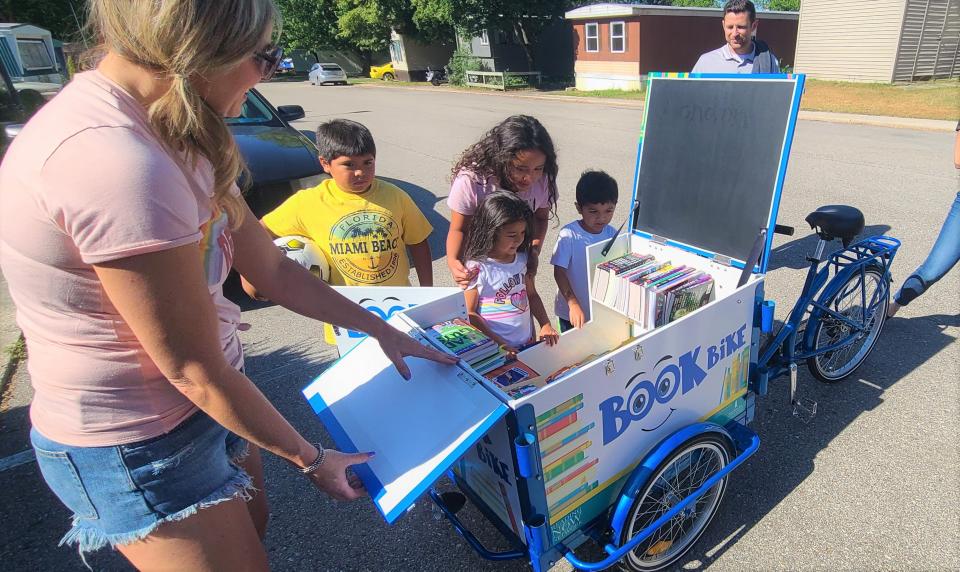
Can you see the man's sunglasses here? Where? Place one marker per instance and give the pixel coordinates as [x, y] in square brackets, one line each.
[269, 60]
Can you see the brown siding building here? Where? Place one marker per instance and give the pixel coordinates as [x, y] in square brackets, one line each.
[618, 44]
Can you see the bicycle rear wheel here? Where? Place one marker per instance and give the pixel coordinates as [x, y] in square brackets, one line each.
[862, 299]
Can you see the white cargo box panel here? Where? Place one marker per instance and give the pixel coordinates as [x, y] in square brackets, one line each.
[417, 428]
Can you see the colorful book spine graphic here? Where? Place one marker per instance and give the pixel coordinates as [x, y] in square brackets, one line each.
[573, 497]
[506, 504]
[548, 449]
[577, 473]
[566, 462]
[562, 434]
[544, 418]
[565, 420]
[735, 377]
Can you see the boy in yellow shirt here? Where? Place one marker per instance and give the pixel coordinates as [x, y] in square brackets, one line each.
[363, 225]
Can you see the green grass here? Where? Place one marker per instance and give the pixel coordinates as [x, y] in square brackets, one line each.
[922, 100]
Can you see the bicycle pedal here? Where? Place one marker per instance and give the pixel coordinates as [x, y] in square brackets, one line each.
[804, 409]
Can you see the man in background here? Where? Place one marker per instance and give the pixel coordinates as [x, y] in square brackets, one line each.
[742, 54]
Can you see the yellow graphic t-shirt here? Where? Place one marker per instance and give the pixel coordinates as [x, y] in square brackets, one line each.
[364, 236]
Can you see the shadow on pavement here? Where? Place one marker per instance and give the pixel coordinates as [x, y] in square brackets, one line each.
[427, 202]
[789, 447]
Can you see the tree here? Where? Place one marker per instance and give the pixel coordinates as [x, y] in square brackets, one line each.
[63, 18]
[785, 5]
[310, 25]
[524, 18]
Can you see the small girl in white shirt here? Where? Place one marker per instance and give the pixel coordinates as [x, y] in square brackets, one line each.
[501, 296]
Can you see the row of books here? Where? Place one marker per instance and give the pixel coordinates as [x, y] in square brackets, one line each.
[469, 344]
[651, 292]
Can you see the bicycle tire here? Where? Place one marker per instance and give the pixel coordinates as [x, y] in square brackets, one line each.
[663, 548]
[828, 330]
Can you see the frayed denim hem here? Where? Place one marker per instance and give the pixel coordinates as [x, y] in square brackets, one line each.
[239, 451]
[89, 539]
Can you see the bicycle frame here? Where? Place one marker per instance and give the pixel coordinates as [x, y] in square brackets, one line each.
[777, 356]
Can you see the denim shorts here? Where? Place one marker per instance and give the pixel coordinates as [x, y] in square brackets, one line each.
[120, 494]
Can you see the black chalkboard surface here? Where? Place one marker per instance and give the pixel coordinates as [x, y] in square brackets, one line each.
[709, 157]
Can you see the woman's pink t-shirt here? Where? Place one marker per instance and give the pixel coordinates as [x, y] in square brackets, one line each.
[87, 182]
[468, 190]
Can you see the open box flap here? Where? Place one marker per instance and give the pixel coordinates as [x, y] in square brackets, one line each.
[417, 428]
[712, 160]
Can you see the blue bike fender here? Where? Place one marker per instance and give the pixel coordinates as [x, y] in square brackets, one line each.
[642, 473]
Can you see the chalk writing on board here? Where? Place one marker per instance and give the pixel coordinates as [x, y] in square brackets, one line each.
[726, 116]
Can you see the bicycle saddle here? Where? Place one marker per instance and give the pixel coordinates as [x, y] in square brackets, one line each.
[836, 221]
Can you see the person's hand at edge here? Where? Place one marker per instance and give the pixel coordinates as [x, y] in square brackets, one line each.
[333, 478]
[397, 345]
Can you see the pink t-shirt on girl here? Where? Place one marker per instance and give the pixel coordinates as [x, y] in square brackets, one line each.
[87, 182]
[468, 190]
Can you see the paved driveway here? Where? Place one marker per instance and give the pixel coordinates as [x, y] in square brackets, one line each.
[870, 483]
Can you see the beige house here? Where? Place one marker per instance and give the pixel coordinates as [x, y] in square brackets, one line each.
[412, 58]
[879, 40]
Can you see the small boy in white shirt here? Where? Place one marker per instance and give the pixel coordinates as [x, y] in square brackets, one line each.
[596, 201]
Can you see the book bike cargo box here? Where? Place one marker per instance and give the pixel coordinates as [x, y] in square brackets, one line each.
[710, 167]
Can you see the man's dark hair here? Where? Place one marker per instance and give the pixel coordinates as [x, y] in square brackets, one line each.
[740, 6]
[595, 188]
[344, 138]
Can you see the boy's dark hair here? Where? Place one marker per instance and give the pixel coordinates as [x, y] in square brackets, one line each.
[492, 154]
[344, 138]
[497, 210]
[740, 6]
[595, 188]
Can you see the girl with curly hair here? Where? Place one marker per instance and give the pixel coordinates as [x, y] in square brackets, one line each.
[517, 155]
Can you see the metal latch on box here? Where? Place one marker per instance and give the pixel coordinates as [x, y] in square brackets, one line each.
[658, 239]
[722, 259]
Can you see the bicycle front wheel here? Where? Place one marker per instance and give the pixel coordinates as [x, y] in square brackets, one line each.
[863, 299]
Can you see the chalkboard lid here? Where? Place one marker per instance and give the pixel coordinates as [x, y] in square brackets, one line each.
[712, 160]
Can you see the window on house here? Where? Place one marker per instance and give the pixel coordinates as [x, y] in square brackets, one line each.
[484, 38]
[34, 55]
[618, 37]
[592, 30]
[396, 51]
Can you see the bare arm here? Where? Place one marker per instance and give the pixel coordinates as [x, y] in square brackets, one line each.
[540, 219]
[249, 288]
[547, 332]
[577, 317]
[163, 297]
[459, 224]
[423, 262]
[956, 152]
[287, 283]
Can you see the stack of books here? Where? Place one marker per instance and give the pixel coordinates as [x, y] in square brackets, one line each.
[650, 292]
[469, 344]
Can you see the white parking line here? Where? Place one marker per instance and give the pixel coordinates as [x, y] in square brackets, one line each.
[21, 458]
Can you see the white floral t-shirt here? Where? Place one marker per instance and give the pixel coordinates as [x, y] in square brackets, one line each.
[502, 290]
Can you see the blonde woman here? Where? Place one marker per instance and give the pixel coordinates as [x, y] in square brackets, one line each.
[119, 221]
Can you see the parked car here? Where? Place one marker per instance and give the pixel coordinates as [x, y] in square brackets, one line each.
[281, 159]
[384, 72]
[327, 73]
[13, 114]
[286, 66]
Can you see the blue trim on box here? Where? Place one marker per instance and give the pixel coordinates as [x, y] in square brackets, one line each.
[782, 173]
[344, 444]
[447, 462]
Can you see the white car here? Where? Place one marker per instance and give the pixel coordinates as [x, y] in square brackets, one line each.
[327, 73]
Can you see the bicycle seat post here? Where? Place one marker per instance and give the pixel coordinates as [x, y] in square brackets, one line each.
[818, 255]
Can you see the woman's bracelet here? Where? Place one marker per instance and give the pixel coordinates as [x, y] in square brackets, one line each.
[321, 455]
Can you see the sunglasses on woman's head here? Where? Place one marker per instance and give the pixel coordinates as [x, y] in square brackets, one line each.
[269, 60]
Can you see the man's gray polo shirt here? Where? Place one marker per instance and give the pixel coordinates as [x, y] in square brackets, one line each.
[725, 60]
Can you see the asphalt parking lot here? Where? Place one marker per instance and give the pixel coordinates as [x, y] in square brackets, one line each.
[871, 483]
